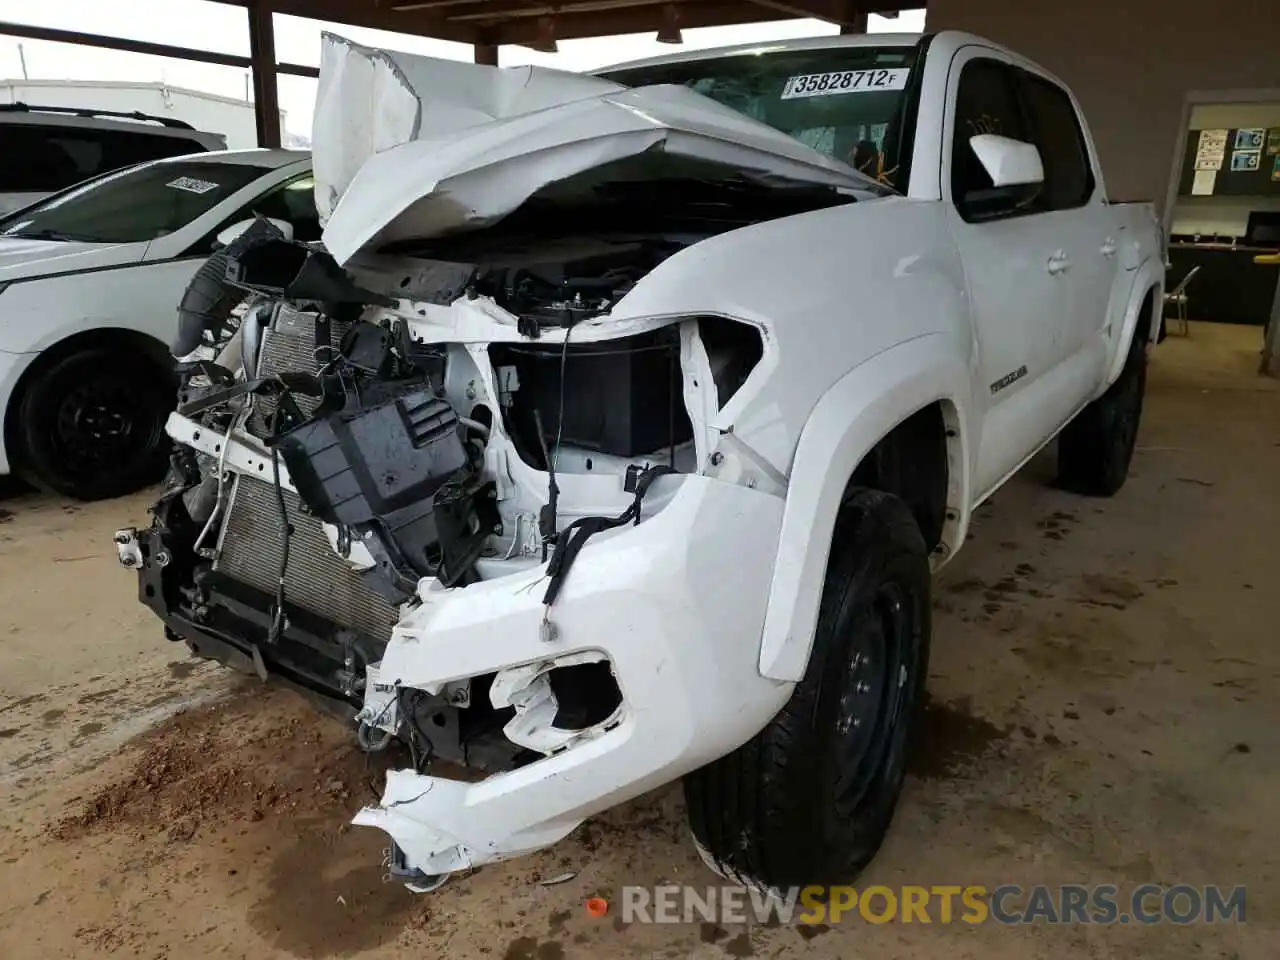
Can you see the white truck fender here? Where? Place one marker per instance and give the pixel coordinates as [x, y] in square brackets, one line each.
[1149, 274]
[855, 414]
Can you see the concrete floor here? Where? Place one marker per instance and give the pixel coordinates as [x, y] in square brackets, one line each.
[1103, 710]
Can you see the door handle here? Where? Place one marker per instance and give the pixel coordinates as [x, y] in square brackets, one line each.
[1059, 263]
[1108, 248]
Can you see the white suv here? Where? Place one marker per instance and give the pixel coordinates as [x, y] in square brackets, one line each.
[49, 148]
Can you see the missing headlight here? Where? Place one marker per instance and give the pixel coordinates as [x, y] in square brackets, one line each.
[621, 398]
[733, 350]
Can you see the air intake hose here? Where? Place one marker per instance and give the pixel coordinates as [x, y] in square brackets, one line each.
[206, 305]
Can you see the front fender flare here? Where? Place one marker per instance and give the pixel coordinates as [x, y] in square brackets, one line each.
[855, 414]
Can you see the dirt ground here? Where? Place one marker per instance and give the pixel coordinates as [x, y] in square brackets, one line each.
[1103, 710]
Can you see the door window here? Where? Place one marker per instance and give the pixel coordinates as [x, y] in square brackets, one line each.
[1056, 131]
[986, 102]
[293, 202]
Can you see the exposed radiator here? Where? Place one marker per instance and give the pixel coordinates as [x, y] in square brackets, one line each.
[318, 579]
[289, 346]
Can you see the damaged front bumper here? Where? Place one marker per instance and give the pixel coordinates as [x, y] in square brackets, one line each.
[671, 604]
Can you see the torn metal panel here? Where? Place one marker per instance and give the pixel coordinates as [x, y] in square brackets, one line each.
[370, 100]
[412, 147]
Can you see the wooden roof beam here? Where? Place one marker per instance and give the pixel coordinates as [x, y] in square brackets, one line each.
[505, 21]
[364, 13]
[844, 13]
[604, 23]
[490, 12]
[832, 11]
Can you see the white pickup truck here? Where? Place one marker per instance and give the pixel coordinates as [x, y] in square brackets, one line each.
[613, 432]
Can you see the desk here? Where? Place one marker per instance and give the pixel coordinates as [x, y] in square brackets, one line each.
[1233, 286]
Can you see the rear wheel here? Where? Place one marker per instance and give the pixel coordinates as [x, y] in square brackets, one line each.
[808, 799]
[1096, 448]
[91, 426]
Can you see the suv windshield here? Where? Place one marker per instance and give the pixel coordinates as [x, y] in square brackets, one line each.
[140, 203]
[845, 101]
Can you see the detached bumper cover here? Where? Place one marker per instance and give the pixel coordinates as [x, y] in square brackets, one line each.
[676, 605]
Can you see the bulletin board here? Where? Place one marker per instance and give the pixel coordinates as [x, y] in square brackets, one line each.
[1228, 180]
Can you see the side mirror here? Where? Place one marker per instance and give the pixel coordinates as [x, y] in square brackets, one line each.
[226, 236]
[1017, 176]
[1008, 162]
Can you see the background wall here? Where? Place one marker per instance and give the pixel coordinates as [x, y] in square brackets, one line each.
[1131, 64]
[1233, 116]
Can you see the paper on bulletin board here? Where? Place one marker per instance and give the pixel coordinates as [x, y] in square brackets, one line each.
[1211, 151]
[1246, 160]
[1203, 183]
[1250, 138]
[1275, 169]
[1273, 142]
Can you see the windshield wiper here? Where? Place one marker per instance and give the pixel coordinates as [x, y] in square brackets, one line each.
[57, 235]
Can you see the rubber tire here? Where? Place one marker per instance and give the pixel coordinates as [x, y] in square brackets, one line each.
[767, 815]
[39, 461]
[1096, 448]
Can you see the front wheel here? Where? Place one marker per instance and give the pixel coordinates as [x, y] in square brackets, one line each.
[91, 426]
[809, 798]
[1096, 448]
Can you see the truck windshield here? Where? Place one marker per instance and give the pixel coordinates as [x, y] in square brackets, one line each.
[136, 204]
[844, 101]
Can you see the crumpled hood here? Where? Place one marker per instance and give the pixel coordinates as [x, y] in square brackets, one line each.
[407, 146]
[371, 100]
[23, 259]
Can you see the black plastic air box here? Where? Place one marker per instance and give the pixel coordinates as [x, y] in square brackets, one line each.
[364, 463]
[621, 397]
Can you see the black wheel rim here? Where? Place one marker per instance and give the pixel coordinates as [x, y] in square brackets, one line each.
[103, 425]
[874, 693]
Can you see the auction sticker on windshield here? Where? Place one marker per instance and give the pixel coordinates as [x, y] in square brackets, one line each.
[845, 81]
[192, 185]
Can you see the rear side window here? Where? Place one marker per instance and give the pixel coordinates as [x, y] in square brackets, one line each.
[986, 102]
[44, 158]
[1057, 133]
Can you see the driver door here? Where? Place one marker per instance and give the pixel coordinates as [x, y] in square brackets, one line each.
[1011, 258]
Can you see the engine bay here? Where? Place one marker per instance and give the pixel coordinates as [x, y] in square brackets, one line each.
[338, 457]
[561, 281]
